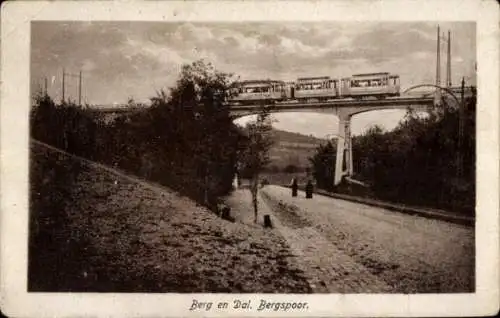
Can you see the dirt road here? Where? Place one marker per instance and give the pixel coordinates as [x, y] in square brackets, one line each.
[346, 247]
[372, 249]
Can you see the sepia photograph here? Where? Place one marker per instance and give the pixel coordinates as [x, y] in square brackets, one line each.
[200, 176]
[190, 157]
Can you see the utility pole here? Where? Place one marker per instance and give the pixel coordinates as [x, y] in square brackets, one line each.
[64, 74]
[45, 83]
[438, 68]
[438, 59]
[79, 84]
[448, 62]
[461, 130]
[80, 89]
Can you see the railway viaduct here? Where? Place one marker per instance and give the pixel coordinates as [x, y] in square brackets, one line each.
[346, 109]
[343, 109]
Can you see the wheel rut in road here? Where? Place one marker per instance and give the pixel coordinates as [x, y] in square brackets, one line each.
[329, 270]
[411, 254]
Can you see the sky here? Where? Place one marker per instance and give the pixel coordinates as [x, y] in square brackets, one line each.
[121, 60]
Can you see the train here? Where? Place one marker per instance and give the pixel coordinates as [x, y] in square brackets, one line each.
[316, 89]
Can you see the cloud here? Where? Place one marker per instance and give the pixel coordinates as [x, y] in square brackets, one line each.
[123, 59]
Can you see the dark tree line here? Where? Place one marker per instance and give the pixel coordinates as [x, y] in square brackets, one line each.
[185, 139]
[418, 163]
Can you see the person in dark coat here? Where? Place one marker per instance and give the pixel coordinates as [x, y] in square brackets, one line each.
[309, 190]
[295, 187]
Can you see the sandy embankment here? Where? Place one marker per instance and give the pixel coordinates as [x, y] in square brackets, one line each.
[133, 236]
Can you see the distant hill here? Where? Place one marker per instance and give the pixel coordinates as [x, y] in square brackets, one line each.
[292, 149]
[291, 137]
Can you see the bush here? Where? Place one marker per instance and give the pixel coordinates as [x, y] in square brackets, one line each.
[291, 169]
[323, 165]
[416, 163]
[185, 140]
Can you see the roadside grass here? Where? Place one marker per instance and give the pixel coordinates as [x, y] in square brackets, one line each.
[92, 231]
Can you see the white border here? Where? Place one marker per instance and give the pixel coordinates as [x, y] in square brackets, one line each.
[15, 101]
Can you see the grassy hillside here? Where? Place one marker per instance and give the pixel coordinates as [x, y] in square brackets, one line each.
[290, 157]
[286, 136]
[291, 149]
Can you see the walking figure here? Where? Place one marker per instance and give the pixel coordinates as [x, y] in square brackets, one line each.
[309, 190]
[295, 187]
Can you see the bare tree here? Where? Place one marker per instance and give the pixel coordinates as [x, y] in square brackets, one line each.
[256, 154]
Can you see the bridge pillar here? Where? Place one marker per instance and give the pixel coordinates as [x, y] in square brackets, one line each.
[343, 163]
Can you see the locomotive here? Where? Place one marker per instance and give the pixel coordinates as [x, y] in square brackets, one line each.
[322, 88]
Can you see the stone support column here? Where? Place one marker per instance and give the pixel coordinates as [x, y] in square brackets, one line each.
[344, 150]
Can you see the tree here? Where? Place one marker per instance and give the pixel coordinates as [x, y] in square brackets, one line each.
[199, 139]
[416, 163]
[256, 153]
[323, 165]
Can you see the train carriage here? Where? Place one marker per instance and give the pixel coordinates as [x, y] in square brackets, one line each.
[259, 91]
[377, 85]
[316, 88]
[322, 88]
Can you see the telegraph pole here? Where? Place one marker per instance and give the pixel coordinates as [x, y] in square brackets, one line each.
[448, 62]
[79, 84]
[461, 130]
[438, 68]
[63, 86]
[80, 89]
[438, 59]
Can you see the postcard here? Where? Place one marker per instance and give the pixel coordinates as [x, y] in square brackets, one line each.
[249, 158]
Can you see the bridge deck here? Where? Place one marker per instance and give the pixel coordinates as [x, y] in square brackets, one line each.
[345, 103]
[401, 101]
